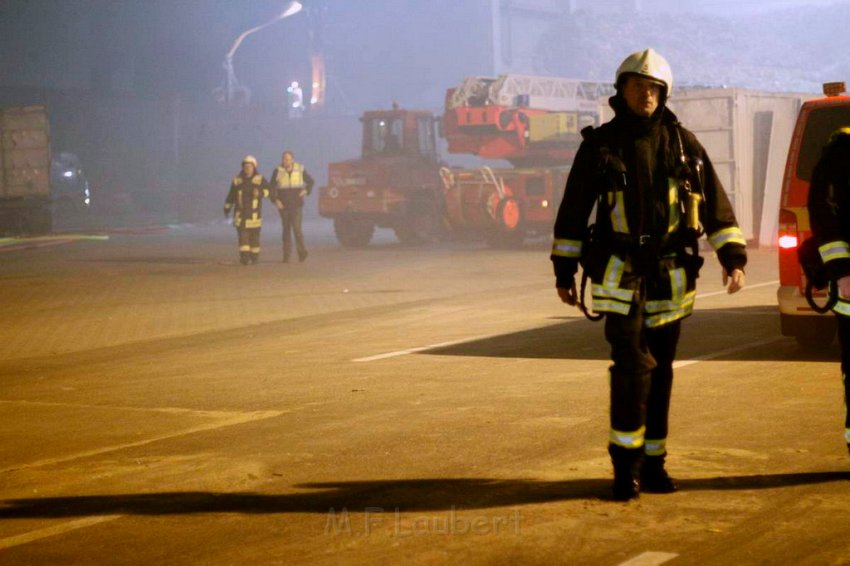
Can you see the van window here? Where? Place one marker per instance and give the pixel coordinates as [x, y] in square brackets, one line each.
[821, 123]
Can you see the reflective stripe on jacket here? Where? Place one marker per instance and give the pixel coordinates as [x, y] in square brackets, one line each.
[246, 199]
[628, 208]
[294, 179]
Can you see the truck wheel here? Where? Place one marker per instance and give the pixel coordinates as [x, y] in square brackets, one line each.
[421, 224]
[509, 232]
[353, 232]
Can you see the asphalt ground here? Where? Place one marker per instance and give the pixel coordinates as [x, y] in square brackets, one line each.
[161, 403]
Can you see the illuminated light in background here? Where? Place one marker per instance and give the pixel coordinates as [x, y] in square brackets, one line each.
[787, 242]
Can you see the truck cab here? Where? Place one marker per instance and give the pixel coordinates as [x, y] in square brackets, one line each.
[817, 119]
[394, 184]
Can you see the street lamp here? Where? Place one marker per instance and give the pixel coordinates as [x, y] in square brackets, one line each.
[228, 91]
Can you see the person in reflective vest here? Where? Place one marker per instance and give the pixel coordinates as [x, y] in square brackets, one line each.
[829, 218]
[245, 199]
[291, 183]
[655, 192]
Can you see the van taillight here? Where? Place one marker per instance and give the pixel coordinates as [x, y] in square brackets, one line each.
[788, 238]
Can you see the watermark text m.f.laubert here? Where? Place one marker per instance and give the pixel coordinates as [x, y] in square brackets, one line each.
[339, 522]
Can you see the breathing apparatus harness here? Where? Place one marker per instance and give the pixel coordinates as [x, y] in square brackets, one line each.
[690, 178]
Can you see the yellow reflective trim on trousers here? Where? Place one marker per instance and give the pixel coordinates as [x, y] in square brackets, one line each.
[834, 250]
[618, 214]
[655, 447]
[566, 248]
[604, 305]
[673, 199]
[727, 236]
[255, 250]
[632, 439]
[245, 248]
[255, 223]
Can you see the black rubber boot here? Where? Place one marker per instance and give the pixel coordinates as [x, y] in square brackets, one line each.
[654, 478]
[244, 257]
[626, 471]
[255, 258]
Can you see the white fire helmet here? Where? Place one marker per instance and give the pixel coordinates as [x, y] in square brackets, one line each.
[647, 63]
[250, 159]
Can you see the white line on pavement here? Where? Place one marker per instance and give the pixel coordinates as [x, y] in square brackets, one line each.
[649, 559]
[739, 348]
[422, 348]
[484, 337]
[54, 530]
[242, 418]
[724, 292]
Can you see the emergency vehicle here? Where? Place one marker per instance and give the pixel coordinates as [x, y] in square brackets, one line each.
[533, 123]
[817, 119]
[394, 184]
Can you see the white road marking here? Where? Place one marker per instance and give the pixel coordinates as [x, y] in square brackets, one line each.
[422, 348]
[474, 338]
[649, 559]
[732, 350]
[240, 418]
[55, 530]
[724, 292]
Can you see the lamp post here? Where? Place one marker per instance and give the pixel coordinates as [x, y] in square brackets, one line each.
[227, 93]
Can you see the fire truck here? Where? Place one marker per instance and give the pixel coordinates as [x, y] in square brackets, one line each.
[533, 123]
[817, 119]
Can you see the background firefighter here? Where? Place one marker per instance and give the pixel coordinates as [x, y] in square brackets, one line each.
[656, 191]
[245, 198]
[291, 184]
[829, 215]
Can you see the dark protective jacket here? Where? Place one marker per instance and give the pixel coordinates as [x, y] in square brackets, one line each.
[632, 169]
[287, 185]
[829, 211]
[245, 198]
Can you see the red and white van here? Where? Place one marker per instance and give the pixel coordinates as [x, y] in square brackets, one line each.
[818, 118]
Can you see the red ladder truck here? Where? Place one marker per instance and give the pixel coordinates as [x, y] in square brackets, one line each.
[533, 123]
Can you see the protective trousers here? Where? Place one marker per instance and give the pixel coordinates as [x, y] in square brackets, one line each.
[641, 379]
[290, 218]
[844, 341]
[249, 245]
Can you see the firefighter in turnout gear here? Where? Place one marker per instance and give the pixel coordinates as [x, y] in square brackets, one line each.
[829, 216]
[291, 183]
[655, 192]
[245, 199]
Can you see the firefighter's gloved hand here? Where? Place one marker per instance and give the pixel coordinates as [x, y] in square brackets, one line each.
[735, 282]
[226, 212]
[569, 296]
[278, 204]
